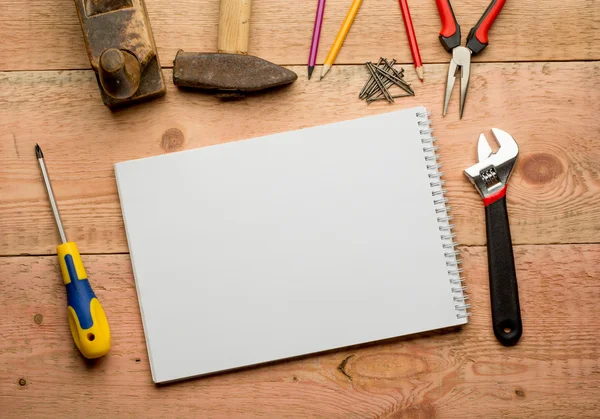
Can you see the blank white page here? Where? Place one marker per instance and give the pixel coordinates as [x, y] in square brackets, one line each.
[286, 245]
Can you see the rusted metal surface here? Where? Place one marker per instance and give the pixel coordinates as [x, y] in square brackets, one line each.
[228, 75]
[121, 50]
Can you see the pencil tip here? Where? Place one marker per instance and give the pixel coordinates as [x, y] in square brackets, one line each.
[420, 73]
[310, 70]
[324, 70]
[38, 152]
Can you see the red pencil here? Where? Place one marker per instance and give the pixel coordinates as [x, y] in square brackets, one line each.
[412, 39]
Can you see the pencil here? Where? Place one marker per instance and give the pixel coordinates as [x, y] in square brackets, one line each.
[314, 46]
[412, 39]
[341, 36]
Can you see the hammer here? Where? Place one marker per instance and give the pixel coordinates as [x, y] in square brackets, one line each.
[231, 72]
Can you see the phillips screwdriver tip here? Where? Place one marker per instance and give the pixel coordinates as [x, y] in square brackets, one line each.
[38, 152]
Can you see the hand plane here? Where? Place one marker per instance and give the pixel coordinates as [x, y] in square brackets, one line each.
[121, 50]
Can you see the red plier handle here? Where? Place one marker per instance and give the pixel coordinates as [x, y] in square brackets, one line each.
[450, 33]
[478, 36]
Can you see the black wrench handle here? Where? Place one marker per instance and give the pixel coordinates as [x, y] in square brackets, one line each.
[504, 291]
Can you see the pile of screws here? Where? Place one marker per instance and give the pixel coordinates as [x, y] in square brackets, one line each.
[383, 77]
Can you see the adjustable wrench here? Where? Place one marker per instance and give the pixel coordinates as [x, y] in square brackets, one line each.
[490, 177]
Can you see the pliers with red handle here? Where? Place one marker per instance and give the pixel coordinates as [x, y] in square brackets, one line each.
[477, 40]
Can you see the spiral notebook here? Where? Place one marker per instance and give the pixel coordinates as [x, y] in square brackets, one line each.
[291, 244]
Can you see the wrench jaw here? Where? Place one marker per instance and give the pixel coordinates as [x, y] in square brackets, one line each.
[491, 174]
[483, 148]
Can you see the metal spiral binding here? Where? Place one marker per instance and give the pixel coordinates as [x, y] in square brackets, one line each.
[442, 209]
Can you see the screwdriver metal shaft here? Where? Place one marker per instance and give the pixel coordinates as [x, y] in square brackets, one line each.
[40, 157]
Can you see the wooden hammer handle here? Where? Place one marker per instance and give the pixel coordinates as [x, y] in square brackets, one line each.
[234, 26]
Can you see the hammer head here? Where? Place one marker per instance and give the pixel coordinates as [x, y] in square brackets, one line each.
[228, 73]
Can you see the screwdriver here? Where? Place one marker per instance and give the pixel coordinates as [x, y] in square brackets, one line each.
[87, 320]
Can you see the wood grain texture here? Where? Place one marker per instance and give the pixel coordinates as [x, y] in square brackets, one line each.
[552, 198]
[550, 107]
[45, 35]
[552, 372]
[234, 26]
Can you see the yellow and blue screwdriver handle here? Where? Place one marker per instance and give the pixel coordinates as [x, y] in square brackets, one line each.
[87, 320]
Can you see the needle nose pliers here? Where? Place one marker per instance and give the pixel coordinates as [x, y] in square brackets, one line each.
[477, 40]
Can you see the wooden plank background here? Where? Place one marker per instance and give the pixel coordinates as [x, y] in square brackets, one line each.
[553, 372]
[538, 80]
[46, 34]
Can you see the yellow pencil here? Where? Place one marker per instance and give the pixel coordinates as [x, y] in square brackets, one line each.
[341, 36]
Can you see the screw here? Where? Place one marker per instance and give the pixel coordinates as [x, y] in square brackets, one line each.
[392, 77]
[381, 98]
[377, 95]
[369, 81]
[372, 87]
[378, 92]
[375, 90]
[396, 76]
[388, 82]
[22, 382]
[38, 319]
[397, 81]
[383, 75]
[391, 67]
[399, 76]
[379, 83]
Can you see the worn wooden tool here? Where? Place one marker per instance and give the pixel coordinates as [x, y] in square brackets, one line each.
[121, 50]
[230, 71]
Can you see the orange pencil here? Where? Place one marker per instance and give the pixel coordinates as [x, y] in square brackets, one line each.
[341, 36]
